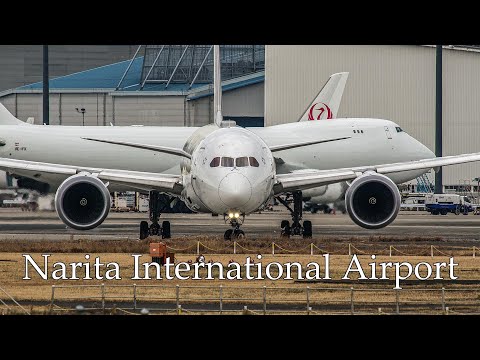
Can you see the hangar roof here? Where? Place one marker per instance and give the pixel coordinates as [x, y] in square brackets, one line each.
[103, 77]
[106, 79]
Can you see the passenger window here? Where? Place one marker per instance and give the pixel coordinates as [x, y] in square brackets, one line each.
[241, 162]
[254, 162]
[227, 162]
[215, 162]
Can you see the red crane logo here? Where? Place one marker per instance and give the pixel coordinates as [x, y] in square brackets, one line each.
[320, 109]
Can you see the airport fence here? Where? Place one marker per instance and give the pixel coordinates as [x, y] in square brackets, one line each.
[311, 300]
[347, 249]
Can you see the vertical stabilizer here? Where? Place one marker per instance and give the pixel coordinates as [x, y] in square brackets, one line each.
[217, 86]
[6, 118]
[327, 102]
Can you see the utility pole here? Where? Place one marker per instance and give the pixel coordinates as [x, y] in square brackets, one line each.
[46, 87]
[438, 118]
[82, 111]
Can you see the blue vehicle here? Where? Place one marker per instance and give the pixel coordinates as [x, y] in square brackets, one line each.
[442, 204]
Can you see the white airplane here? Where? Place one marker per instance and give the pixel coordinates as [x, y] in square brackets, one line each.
[325, 107]
[219, 168]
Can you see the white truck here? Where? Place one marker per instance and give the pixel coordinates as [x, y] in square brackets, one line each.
[445, 203]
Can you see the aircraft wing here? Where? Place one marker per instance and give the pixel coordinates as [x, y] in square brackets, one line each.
[307, 179]
[135, 179]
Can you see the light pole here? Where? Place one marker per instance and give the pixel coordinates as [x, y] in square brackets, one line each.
[82, 111]
[46, 89]
[438, 118]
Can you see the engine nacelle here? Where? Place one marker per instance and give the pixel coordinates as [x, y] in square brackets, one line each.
[82, 202]
[372, 201]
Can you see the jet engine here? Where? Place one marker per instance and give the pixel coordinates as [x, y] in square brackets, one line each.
[82, 202]
[372, 201]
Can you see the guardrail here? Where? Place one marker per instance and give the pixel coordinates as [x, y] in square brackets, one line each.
[312, 249]
[265, 300]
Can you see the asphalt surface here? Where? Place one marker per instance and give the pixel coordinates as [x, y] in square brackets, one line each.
[15, 224]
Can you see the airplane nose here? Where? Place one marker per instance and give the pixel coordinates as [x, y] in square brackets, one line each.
[235, 190]
[425, 151]
[430, 153]
[421, 151]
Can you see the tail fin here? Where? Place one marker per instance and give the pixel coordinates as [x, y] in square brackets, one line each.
[6, 118]
[327, 102]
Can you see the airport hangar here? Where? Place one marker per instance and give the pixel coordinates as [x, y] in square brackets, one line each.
[169, 85]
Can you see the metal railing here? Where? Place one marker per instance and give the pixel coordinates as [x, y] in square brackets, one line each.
[266, 300]
[346, 249]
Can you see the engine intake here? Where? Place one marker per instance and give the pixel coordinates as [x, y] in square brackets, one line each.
[82, 202]
[372, 201]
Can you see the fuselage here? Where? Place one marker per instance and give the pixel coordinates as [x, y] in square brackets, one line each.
[232, 171]
[368, 142]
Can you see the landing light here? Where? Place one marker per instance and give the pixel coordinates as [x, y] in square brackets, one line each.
[237, 215]
[230, 215]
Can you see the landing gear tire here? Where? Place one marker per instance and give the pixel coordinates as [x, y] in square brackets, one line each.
[238, 234]
[144, 231]
[296, 227]
[166, 230]
[286, 231]
[155, 229]
[307, 229]
[228, 234]
[156, 207]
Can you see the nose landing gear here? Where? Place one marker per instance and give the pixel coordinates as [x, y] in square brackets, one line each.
[234, 233]
[296, 227]
[155, 229]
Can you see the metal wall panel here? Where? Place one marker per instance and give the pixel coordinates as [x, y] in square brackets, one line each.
[200, 111]
[247, 101]
[160, 111]
[22, 64]
[30, 105]
[389, 82]
[461, 109]
[92, 103]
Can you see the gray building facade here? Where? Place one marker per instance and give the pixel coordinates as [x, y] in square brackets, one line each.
[394, 82]
[22, 64]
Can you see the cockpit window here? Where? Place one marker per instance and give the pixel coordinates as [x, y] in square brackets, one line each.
[227, 162]
[254, 162]
[241, 162]
[215, 162]
[399, 129]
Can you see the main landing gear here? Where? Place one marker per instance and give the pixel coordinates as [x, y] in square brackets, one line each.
[235, 232]
[155, 229]
[296, 227]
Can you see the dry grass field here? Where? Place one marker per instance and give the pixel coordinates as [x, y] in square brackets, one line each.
[368, 297]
